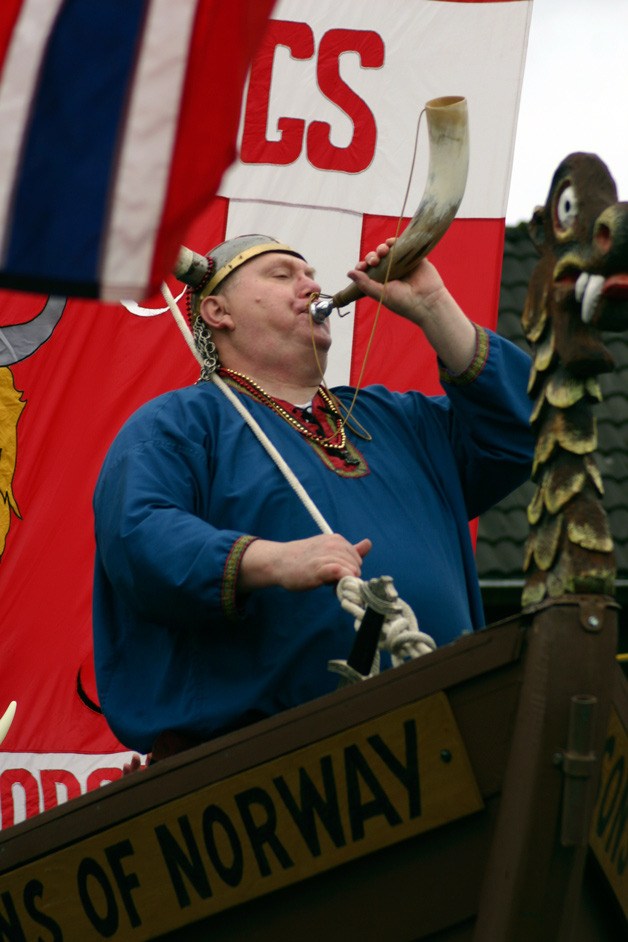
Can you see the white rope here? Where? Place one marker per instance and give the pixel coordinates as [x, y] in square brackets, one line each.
[266, 443]
[252, 423]
[400, 634]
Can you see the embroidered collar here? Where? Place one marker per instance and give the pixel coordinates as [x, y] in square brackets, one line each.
[320, 424]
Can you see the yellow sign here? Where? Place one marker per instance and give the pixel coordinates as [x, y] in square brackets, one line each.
[276, 824]
[609, 831]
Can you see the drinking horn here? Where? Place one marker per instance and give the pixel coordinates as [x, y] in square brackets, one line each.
[448, 133]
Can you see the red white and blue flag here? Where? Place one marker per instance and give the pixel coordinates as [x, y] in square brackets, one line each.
[98, 189]
[118, 119]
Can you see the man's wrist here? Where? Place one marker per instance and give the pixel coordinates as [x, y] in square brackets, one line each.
[231, 576]
[475, 366]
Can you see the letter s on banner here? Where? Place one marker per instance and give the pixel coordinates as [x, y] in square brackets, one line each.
[299, 39]
[358, 154]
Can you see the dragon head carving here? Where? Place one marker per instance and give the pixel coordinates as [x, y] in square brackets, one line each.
[578, 290]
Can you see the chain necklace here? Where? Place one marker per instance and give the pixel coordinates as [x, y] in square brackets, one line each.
[335, 442]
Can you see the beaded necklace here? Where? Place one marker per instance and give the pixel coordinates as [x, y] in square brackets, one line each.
[321, 424]
[337, 440]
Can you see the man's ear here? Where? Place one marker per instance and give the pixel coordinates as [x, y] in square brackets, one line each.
[214, 310]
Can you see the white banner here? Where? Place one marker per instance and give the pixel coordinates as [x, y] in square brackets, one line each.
[338, 94]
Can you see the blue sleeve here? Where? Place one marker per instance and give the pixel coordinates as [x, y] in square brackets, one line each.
[163, 559]
[490, 425]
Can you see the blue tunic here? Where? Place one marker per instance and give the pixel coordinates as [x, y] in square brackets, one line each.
[185, 482]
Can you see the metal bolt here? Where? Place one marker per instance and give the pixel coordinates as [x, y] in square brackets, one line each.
[446, 755]
[593, 621]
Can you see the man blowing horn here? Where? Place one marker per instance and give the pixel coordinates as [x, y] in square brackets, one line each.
[213, 605]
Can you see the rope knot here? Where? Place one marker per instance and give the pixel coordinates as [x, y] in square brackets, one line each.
[400, 634]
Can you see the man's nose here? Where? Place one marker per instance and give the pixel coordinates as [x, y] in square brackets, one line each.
[308, 286]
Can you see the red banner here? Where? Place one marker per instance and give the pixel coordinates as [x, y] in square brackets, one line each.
[327, 133]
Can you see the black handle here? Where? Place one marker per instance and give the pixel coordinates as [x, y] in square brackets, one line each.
[366, 641]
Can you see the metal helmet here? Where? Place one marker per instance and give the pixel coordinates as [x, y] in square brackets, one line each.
[229, 255]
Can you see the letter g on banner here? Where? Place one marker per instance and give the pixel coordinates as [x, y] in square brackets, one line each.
[299, 39]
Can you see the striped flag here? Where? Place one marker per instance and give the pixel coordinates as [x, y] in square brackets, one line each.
[118, 119]
[325, 139]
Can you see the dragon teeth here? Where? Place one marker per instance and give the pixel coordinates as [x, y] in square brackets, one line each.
[588, 290]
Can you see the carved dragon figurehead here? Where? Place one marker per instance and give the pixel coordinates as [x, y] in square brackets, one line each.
[578, 289]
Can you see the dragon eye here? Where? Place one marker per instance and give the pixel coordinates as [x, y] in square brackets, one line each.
[566, 208]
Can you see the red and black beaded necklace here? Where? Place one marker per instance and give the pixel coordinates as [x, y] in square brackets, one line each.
[319, 423]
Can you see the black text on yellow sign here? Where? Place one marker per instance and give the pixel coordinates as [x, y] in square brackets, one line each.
[273, 825]
[609, 830]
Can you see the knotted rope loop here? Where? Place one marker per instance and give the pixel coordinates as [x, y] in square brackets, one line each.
[400, 634]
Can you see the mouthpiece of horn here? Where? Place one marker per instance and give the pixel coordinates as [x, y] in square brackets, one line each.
[190, 267]
[447, 123]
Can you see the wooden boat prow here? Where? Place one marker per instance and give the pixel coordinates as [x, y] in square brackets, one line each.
[478, 792]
